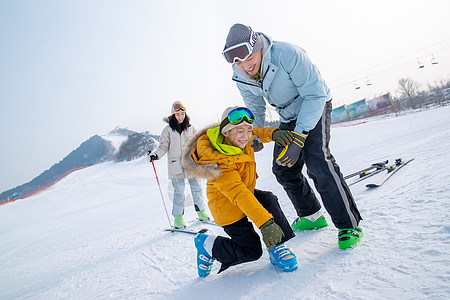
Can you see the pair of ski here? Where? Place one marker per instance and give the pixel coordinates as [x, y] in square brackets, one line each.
[191, 230]
[187, 230]
[367, 172]
[378, 168]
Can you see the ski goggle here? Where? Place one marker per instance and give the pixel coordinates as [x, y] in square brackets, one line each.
[237, 116]
[178, 107]
[241, 51]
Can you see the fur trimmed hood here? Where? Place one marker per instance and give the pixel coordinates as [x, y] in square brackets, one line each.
[208, 171]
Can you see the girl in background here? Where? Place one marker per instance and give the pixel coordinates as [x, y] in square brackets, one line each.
[173, 138]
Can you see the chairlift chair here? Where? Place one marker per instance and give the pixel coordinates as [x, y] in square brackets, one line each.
[433, 60]
[421, 65]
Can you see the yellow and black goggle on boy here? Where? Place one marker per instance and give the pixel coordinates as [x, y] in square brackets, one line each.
[237, 116]
[240, 51]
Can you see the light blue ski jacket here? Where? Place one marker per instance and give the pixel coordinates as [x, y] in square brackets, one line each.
[290, 82]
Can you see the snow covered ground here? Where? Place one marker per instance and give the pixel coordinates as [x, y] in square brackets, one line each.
[99, 233]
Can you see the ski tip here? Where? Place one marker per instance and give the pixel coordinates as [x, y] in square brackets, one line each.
[371, 185]
[187, 230]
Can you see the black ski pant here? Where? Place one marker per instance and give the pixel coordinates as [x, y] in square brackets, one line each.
[325, 173]
[244, 244]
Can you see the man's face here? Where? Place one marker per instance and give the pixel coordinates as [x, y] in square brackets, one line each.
[239, 136]
[180, 115]
[251, 65]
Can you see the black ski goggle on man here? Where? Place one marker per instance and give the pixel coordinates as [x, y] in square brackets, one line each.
[241, 51]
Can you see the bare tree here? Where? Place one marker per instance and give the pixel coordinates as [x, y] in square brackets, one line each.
[444, 83]
[408, 88]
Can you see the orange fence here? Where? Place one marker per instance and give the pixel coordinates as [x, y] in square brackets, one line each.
[44, 187]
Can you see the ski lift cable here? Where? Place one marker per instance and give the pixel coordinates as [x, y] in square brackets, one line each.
[373, 74]
[382, 71]
[394, 59]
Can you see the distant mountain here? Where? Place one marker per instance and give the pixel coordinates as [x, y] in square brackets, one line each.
[137, 145]
[93, 151]
[121, 131]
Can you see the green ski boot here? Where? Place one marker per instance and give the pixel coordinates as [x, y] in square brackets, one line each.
[203, 216]
[349, 237]
[179, 222]
[304, 223]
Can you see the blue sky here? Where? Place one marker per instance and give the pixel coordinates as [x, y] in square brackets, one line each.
[73, 69]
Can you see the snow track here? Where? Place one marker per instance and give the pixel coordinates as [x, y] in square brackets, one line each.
[99, 232]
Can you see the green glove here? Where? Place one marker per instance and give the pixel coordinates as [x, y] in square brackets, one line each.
[282, 137]
[291, 153]
[272, 233]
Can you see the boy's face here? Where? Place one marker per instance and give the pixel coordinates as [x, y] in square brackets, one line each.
[251, 65]
[239, 136]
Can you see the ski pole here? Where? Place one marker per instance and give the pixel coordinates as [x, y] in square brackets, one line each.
[162, 198]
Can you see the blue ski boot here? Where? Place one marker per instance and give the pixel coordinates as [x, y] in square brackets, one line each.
[282, 257]
[204, 260]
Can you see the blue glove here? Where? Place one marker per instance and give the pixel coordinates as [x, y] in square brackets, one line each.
[290, 154]
[256, 144]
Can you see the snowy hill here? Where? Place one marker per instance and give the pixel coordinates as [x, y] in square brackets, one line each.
[98, 233]
[92, 151]
[119, 144]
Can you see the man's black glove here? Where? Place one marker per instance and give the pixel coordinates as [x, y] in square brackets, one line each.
[282, 137]
[291, 153]
[256, 144]
[151, 157]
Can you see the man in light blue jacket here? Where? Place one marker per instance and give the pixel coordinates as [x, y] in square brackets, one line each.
[283, 75]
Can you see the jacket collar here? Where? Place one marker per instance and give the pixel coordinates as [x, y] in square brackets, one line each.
[209, 169]
[216, 139]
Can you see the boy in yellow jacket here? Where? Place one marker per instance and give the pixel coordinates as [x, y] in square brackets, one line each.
[224, 156]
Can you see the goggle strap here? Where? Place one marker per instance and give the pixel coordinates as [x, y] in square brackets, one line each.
[224, 123]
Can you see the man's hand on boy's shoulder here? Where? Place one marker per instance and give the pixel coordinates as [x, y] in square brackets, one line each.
[282, 137]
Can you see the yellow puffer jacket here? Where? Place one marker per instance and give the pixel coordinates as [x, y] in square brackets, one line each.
[231, 178]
